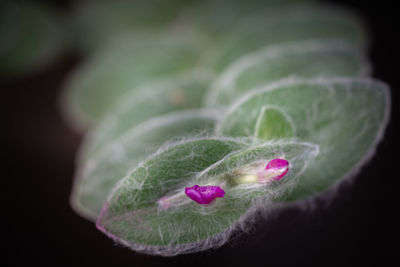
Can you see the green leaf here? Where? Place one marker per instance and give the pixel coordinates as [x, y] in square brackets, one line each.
[345, 117]
[288, 24]
[99, 174]
[307, 59]
[177, 92]
[124, 65]
[134, 217]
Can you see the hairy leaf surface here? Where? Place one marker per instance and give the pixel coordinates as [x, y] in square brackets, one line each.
[99, 174]
[134, 217]
[345, 117]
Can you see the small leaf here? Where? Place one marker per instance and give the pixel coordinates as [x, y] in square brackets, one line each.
[273, 124]
[136, 213]
[345, 117]
[307, 59]
[99, 174]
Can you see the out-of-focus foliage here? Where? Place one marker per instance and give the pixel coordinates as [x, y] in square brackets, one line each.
[32, 36]
[96, 22]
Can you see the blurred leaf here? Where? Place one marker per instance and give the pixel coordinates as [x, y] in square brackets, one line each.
[123, 66]
[312, 58]
[98, 21]
[216, 17]
[175, 92]
[288, 24]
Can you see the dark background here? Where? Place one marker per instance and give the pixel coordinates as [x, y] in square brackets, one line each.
[38, 225]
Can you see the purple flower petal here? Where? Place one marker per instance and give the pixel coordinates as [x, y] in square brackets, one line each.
[280, 167]
[204, 194]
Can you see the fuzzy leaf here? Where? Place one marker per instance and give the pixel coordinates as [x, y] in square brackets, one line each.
[307, 59]
[183, 91]
[345, 117]
[134, 217]
[98, 175]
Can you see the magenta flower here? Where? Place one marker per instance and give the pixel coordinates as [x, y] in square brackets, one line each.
[278, 166]
[275, 170]
[204, 194]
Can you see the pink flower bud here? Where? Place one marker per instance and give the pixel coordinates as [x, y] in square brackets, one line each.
[275, 170]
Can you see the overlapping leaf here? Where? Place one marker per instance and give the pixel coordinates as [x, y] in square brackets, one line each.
[345, 117]
[289, 24]
[216, 17]
[182, 91]
[312, 58]
[123, 66]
